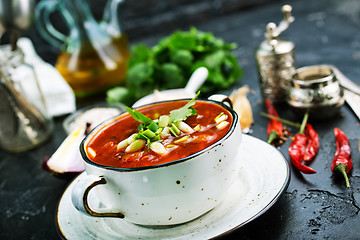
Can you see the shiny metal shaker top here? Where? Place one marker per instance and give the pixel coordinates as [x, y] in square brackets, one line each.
[275, 60]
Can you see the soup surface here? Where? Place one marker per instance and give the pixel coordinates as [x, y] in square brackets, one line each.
[210, 124]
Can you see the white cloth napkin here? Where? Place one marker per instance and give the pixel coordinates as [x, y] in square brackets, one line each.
[58, 95]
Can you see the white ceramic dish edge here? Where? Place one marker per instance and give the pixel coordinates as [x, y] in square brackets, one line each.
[251, 196]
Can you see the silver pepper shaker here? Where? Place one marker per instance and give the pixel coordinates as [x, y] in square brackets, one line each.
[275, 59]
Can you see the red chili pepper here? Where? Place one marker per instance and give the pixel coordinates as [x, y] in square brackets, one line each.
[342, 161]
[313, 143]
[274, 127]
[297, 149]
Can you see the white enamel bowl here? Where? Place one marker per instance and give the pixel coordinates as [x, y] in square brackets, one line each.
[166, 194]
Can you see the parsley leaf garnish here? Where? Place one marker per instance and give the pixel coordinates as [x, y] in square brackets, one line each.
[186, 111]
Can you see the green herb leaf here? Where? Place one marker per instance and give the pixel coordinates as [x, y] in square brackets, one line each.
[139, 53]
[172, 75]
[138, 116]
[117, 94]
[182, 113]
[170, 63]
[182, 57]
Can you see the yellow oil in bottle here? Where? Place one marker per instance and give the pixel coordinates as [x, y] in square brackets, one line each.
[92, 69]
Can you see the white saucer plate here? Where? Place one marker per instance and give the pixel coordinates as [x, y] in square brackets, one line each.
[263, 178]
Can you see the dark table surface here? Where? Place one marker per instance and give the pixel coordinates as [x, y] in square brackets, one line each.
[315, 206]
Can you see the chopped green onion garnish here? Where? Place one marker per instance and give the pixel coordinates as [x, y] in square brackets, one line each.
[182, 126]
[164, 121]
[221, 117]
[222, 125]
[158, 148]
[132, 138]
[135, 146]
[170, 146]
[122, 144]
[153, 127]
[158, 131]
[149, 133]
[174, 130]
[156, 138]
[197, 128]
[183, 139]
[165, 132]
[156, 115]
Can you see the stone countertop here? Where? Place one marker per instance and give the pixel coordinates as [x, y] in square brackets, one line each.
[315, 206]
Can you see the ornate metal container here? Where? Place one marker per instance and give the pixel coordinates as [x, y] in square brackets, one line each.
[315, 89]
[275, 60]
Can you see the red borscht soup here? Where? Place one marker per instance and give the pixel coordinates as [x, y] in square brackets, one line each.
[150, 136]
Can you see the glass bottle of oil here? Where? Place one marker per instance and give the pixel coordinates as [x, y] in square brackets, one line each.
[93, 56]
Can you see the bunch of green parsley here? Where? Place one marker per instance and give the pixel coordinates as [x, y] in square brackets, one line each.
[170, 63]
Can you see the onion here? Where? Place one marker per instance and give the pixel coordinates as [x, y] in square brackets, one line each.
[67, 158]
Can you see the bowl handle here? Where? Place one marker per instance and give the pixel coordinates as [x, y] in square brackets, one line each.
[221, 98]
[80, 192]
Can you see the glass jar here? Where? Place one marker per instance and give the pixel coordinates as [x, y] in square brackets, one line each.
[25, 122]
[94, 55]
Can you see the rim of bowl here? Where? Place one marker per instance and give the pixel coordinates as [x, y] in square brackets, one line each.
[315, 69]
[101, 125]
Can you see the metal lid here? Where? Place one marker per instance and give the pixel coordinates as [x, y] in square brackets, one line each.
[280, 47]
[272, 44]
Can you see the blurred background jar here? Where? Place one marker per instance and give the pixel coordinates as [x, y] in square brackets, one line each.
[93, 55]
[25, 122]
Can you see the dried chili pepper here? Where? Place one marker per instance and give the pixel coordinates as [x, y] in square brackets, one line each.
[313, 143]
[342, 161]
[297, 149]
[274, 127]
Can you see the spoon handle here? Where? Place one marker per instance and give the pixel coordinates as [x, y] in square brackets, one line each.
[346, 82]
[196, 80]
